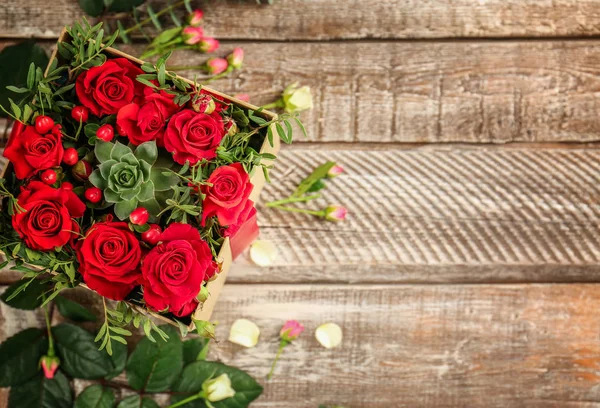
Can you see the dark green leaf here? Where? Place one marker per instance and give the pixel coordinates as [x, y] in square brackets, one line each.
[118, 359]
[73, 310]
[192, 348]
[92, 7]
[153, 367]
[119, 6]
[41, 392]
[28, 299]
[154, 17]
[79, 355]
[135, 401]
[192, 377]
[95, 396]
[122, 33]
[20, 356]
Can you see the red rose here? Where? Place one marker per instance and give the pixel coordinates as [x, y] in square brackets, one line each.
[31, 152]
[46, 221]
[227, 197]
[194, 136]
[148, 121]
[107, 88]
[173, 271]
[109, 259]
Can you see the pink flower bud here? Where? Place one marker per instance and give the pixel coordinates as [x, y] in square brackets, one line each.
[230, 126]
[335, 171]
[203, 104]
[208, 44]
[192, 35]
[335, 213]
[195, 18]
[291, 330]
[49, 365]
[236, 58]
[216, 66]
[242, 97]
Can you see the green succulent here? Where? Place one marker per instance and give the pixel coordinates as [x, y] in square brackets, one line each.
[128, 178]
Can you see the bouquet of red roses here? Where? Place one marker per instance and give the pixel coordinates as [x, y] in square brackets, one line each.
[131, 180]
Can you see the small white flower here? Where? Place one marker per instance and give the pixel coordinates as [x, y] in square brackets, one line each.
[218, 388]
[329, 335]
[263, 253]
[244, 332]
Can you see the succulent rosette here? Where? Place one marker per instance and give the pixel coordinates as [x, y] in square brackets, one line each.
[128, 179]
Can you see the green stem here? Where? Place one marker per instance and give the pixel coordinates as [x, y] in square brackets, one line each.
[218, 76]
[49, 328]
[300, 210]
[282, 345]
[292, 200]
[158, 14]
[188, 399]
[277, 104]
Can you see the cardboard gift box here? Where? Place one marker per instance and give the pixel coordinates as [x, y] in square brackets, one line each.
[232, 246]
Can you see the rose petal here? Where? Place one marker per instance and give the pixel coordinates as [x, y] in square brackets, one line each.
[329, 335]
[244, 332]
[263, 253]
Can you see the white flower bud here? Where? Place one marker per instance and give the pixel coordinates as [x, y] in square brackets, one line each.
[297, 99]
[218, 388]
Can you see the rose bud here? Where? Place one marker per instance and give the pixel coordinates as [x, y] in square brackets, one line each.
[335, 213]
[216, 66]
[203, 295]
[205, 329]
[105, 133]
[139, 216]
[195, 18]
[218, 389]
[236, 58]
[335, 171]
[82, 170]
[49, 365]
[204, 104]
[192, 35]
[48, 177]
[263, 253]
[43, 124]
[151, 236]
[329, 335]
[80, 113]
[291, 330]
[244, 332]
[70, 157]
[93, 195]
[230, 126]
[208, 44]
[242, 97]
[297, 99]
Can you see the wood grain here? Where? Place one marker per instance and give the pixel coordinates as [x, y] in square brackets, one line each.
[348, 19]
[424, 92]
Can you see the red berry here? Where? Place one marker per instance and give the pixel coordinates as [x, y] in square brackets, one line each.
[43, 124]
[139, 216]
[93, 194]
[49, 176]
[66, 186]
[105, 133]
[70, 156]
[80, 113]
[151, 236]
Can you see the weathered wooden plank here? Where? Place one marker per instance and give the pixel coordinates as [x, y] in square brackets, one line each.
[323, 19]
[442, 346]
[490, 92]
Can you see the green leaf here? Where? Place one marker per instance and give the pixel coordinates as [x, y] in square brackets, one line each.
[97, 180]
[90, 129]
[146, 191]
[121, 30]
[79, 355]
[161, 181]
[153, 367]
[41, 392]
[118, 358]
[73, 310]
[192, 349]
[124, 208]
[147, 152]
[102, 150]
[192, 377]
[15, 61]
[92, 7]
[28, 299]
[135, 401]
[154, 17]
[121, 6]
[317, 174]
[95, 396]
[119, 150]
[20, 356]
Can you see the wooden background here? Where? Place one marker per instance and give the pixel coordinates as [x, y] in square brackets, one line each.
[468, 272]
